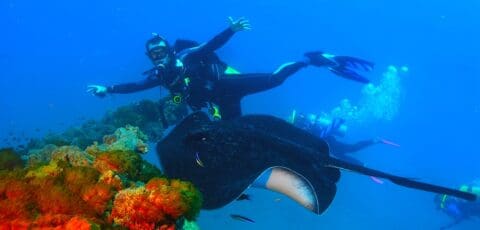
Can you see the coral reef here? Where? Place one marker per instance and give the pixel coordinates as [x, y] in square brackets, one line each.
[9, 159]
[148, 115]
[108, 185]
[155, 204]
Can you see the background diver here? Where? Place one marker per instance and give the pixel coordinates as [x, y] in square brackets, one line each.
[458, 209]
[329, 129]
[194, 74]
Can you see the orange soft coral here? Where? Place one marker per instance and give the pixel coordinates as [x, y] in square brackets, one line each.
[110, 178]
[76, 178]
[97, 196]
[132, 209]
[79, 223]
[58, 200]
[176, 197]
[118, 161]
[158, 203]
[15, 198]
[76, 190]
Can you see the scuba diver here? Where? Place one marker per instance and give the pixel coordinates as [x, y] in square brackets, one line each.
[458, 209]
[329, 129]
[195, 75]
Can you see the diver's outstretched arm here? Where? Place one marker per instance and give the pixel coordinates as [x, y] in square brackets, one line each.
[132, 87]
[102, 91]
[222, 38]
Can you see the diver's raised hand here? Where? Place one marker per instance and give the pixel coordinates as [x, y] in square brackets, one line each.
[240, 24]
[97, 90]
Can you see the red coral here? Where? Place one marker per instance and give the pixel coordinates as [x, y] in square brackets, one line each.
[156, 183]
[17, 224]
[159, 203]
[71, 193]
[78, 223]
[177, 198]
[57, 199]
[98, 196]
[15, 197]
[133, 210]
[11, 210]
[51, 220]
[109, 178]
[105, 163]
[17, 190]
[76, 178]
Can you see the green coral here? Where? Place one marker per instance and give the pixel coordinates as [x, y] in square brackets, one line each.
[192, 197]
[9, 159]
[147, 172]
[190, 225]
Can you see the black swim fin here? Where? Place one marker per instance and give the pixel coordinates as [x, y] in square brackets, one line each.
[343, 66]
[403, 181]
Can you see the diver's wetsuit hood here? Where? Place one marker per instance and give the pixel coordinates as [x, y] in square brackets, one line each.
[160, 52]
[162, 56]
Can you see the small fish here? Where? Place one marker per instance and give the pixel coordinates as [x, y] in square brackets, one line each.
[244, 196]
[241, 218]
[277, 199]
[387, 142]
[37, 129]
[197, 159]
[376, 180]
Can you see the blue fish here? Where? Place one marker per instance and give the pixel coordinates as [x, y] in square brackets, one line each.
[241, 218]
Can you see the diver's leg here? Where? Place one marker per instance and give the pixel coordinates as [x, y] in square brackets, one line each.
[229, 107]
[340, 148]
[351, 148]
[241, 85]
[348, 159]
[403, 181]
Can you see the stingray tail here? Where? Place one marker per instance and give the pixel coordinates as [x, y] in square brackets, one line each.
[403, 181]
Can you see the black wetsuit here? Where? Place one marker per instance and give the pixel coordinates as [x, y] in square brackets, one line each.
[340, 149]
[201, 80]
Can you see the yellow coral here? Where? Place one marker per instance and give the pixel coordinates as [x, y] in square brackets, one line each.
[112, 179]
[50, 170]
[73, 155]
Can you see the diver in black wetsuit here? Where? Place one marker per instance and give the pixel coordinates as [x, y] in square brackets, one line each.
[329, 129]
[458, 209]
[197, 76]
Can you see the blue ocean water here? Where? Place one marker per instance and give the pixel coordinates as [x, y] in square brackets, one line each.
[51, 50]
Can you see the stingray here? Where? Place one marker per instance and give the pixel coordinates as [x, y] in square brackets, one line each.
[224, 158]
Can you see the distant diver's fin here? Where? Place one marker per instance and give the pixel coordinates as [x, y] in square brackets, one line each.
[291, 184]
[403, 181]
